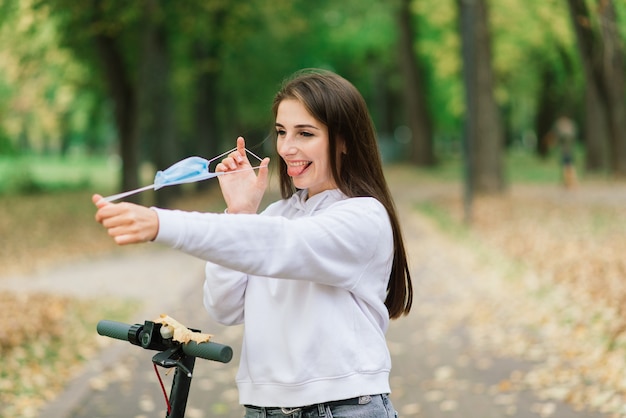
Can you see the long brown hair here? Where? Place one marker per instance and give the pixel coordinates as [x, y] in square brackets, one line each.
[336, 103]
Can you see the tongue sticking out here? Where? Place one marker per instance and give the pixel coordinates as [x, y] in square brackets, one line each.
[296, 170]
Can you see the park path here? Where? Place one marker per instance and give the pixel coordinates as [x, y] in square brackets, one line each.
[438, 372]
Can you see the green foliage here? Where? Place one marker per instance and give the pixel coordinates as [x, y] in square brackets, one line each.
[531, 37]
[42, 84]
[18, 179]
[54, 99]
[33, 174]
[6, 145]
[439, 48]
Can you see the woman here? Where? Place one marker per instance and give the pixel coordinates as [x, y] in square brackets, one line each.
[316, 276]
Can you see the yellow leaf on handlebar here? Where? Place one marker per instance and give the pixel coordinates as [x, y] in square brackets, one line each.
[181, 333]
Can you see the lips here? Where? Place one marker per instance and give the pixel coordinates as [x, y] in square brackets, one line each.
[295, 168]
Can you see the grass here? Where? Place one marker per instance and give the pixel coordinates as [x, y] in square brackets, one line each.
[35, 174]
[521, 167]
[443, 219]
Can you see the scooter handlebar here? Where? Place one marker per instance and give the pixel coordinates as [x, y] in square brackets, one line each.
[126, 332]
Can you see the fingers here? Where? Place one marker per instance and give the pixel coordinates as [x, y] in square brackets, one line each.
[238, 160]
[241, 146]
[239, 156]
[229, 164]
[129, 233]
[235, 158]
[98, 200]
[263, 171]
[108, 213]
[127, 223]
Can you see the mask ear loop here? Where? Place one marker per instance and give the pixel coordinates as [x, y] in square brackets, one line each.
[236, 171]
[254, 155]
[235, 149]
[222, 154]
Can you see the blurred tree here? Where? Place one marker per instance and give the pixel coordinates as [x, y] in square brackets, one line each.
[602, 53]
[136, 54]
[201, 39]
[268, 41]
[193, 75]
[484, 133]
[556, 97]
[417, 111]
[103, 25]
[205, 52]
[39, 81]
[437, 39]
[535, 68]
[595, 134]
[155, 107]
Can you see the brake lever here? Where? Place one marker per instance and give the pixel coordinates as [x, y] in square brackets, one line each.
[171, 358]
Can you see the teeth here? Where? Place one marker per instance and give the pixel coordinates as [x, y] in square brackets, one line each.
[299, 163]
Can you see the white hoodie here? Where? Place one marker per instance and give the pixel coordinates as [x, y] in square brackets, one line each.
[308, 278]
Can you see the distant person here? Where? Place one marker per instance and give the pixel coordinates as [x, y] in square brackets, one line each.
[565, 132]
[315, 277]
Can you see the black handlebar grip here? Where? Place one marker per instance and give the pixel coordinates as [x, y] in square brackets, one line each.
[209, 351]
[113, 329]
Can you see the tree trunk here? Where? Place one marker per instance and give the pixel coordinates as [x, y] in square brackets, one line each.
[123, 94]
[484, 131]
[419, 119]
[603, 64]
[206, 47]
[595, 131]
[155, 110]
[548, 110]
[206, 137]
[206, 134]
[614, 84]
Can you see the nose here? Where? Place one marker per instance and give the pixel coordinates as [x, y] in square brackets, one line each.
[286, 146]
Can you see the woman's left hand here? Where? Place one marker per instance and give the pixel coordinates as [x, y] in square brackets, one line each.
[126, 222]
[243, 189]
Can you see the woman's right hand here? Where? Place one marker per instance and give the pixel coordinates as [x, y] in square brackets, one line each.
[127, 223]
[242, 190]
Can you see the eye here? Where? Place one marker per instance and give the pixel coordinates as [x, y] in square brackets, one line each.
[306, 134]
[280, 132]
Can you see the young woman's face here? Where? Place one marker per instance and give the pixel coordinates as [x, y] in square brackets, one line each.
[302, 142]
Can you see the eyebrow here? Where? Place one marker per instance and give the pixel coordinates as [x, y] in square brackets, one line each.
[300, 126]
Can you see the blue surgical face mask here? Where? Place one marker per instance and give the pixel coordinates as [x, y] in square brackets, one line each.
[188, 170]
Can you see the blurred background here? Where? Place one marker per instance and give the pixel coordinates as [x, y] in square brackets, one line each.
[102, 87]
[508, 116]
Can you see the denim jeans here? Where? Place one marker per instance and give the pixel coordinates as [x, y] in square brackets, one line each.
[379, 406]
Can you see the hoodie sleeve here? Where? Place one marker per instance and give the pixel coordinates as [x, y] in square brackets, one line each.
[224, 292]
[334, 247]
